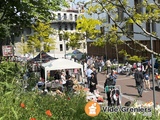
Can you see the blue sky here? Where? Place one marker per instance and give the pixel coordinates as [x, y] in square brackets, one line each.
[76, 1]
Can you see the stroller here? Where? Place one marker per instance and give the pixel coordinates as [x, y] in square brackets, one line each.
[112, 92]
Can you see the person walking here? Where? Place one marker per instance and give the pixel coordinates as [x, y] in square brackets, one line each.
[139, 81]
[88, 74]
[108, 65]
[147, 81]
[113, 77]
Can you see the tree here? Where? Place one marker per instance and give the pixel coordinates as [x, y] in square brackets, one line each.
[123, 16]
[18, 14]
[75, 38]
[41, 40]
[72, 38]
[23, 47]
[88, 26]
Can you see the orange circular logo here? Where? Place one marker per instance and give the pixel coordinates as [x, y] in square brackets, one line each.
[92, 108]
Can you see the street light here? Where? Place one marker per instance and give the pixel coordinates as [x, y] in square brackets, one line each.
[154, 99]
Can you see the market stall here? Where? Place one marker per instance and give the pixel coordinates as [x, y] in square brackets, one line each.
[42, 57]
[61, 64]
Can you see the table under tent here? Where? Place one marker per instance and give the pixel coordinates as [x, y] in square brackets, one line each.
[60, 64]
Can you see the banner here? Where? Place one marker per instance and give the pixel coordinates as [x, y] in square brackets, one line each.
[7, 50]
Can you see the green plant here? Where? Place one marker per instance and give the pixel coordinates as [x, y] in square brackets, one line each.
[135, 58]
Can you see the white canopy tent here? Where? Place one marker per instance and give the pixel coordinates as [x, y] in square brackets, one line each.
[60, 64]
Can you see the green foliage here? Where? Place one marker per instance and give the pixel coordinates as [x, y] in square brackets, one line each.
[9, 71]
[88, 26]
[74, 39]
[41, 38]
[18, 105]
[135, 58]
[123, 52]
[4, 31]
[16, 15]
[122, 18]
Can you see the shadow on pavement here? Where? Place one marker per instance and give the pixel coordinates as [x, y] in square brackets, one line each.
[131, 86]
[130, 94]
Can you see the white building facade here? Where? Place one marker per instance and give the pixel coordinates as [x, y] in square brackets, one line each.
[64, 21]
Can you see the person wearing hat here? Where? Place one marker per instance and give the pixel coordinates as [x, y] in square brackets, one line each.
[93, 82]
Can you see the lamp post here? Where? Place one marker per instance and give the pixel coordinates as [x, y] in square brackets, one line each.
[154, 98]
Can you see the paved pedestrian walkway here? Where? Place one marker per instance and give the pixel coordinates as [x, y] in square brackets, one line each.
[128, 90]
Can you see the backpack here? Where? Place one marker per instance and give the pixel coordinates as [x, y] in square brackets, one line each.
[138, 80]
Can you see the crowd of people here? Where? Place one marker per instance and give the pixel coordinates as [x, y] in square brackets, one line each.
[142, 76]
[69, 80]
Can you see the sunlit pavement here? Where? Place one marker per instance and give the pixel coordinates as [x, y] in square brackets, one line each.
[128, 90]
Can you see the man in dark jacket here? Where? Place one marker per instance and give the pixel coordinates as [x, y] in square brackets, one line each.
[139, 81]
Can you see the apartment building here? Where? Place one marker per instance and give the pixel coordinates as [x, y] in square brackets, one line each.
[64, 21]
[133, 30]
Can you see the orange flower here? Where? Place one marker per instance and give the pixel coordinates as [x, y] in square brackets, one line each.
[22, 105]
[48, 112]
[32, 118]
[68, 98]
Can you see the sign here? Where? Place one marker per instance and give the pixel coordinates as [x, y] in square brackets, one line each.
[7, 50]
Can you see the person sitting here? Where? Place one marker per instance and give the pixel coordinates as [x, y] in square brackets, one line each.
[69, 84]
[73, 78]
[40, 84]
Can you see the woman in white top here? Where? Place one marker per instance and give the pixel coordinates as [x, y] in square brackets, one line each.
[63, 79]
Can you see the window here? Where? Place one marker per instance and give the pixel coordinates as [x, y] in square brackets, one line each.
[60, 37]
[120, 14]
[79, 46]
[46, 47]
[60, 27]
[148, 27]
[75, 17]
[109, 20]
[59, 16]
[65, 16]
[66, 28]
[71, 25]
[61, 47]
[138, 6]
[102, 30]
[70, 17]
[84, 45]
[130, 29]
[67, 47]
[153, 27]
